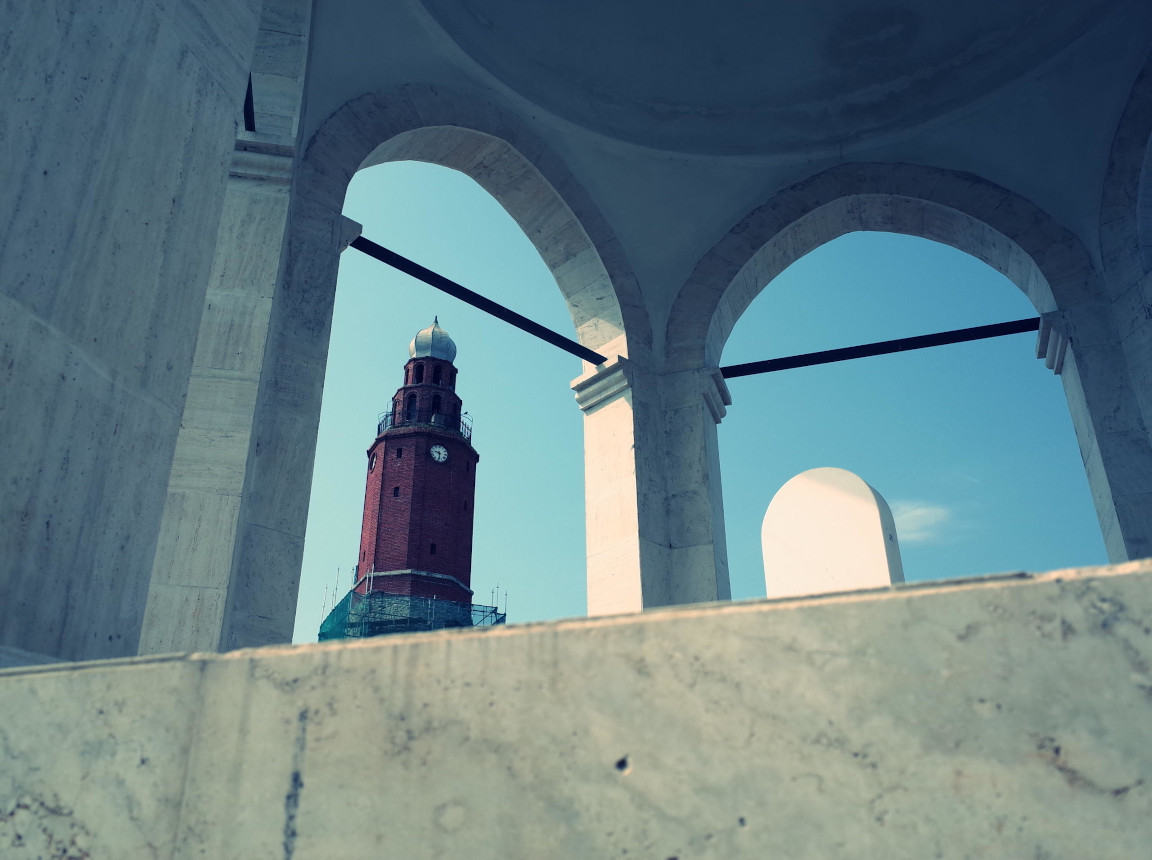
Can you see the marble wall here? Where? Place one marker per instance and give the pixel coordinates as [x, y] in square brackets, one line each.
[1002, 717]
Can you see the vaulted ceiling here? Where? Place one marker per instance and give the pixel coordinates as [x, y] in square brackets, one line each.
[680, 117]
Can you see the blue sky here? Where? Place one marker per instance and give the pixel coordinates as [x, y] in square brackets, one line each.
[971, 444]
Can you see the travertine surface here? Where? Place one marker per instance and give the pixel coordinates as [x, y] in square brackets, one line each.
[192, 568]
[118, 119]
[655, 511]
[992, 718]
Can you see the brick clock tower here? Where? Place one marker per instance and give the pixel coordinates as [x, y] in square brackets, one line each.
[414, 567]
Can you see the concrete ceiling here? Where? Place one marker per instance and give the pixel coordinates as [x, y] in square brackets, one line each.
[747, 76]
[680, 117]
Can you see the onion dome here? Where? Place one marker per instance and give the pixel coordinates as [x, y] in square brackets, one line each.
[432, 342]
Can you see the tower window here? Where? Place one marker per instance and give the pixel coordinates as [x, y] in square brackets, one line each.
[395, 492]
[436, 375]
[452, 380]
[419, 376]
[372, 462]
[410, 408]
[432, 549]
[436, 402]
[399, 453]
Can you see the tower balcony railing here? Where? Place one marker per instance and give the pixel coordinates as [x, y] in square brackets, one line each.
[380, 613]
[461, 426]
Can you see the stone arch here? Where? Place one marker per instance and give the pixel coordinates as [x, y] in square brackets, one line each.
[1045, 260]
[1126, 201]
[416, 122]
[496, 150]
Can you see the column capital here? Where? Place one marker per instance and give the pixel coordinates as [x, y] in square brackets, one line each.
[603, 383]
[270, 165]
[685, 388]
[348, 231]
[1052, 340]
[716, 393]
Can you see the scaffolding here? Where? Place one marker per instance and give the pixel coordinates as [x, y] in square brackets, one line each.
[379, 614]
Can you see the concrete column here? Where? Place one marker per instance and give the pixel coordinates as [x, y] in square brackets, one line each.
[196, 554]
[1114, 441]
[694, 404]
[269, 544]
[1133, 311]
[189, 585]
[612, 487]
[198, 550]
[655, 517]
[1133, 499]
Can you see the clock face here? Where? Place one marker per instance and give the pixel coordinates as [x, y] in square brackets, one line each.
[439, 453]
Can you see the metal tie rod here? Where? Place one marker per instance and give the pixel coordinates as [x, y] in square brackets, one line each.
[408, 267]
[882, 348]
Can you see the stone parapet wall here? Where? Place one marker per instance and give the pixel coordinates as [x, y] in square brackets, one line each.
[1001, 717]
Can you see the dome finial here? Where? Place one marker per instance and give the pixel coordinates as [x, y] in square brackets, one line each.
[432, 342]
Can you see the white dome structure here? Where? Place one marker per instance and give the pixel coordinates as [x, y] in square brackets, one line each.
[828, 530]
[432, 342]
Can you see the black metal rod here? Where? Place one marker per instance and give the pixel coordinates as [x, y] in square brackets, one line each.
[391, 258]
[883, 348]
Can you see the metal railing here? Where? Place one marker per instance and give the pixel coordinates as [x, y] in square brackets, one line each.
[380, 613]
[461, 426]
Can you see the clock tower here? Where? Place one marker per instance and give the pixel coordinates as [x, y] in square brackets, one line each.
[414, 566]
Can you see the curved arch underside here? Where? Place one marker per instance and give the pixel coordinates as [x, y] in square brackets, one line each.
[1044, 260]
[535, 188]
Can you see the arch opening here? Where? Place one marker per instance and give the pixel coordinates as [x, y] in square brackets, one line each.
[1045, 260]
[577, 244]
[963, 441]
[876, 213]
[559, 234]
[527, 444]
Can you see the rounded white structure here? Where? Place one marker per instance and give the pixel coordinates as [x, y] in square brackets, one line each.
[828, 530]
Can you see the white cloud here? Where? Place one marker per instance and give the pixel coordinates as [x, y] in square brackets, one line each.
[920, 522]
